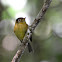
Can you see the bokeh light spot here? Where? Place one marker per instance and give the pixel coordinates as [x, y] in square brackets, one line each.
[15, 4]
[10, 43]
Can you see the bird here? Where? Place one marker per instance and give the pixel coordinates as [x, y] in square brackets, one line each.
[20, 30]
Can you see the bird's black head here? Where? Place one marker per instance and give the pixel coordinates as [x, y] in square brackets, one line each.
[20, 20]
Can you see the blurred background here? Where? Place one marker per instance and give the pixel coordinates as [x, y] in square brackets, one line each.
[47, 37]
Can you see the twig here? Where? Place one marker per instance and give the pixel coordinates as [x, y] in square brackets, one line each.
[19, 53]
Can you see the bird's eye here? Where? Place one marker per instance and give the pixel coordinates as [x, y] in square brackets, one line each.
[23, 20]
[19, 20]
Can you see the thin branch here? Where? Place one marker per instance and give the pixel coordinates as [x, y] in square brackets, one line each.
[30, 30]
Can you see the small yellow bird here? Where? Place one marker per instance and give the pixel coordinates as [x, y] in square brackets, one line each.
[20, 30]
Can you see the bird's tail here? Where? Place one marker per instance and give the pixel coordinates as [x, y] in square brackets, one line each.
[29, 48]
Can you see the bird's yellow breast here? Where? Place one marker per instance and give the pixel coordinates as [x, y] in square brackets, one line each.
[20, 30]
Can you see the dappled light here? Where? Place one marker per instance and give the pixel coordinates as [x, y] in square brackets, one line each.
[46, 38]
[9, 44]
[57, 29]
[15, 4]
